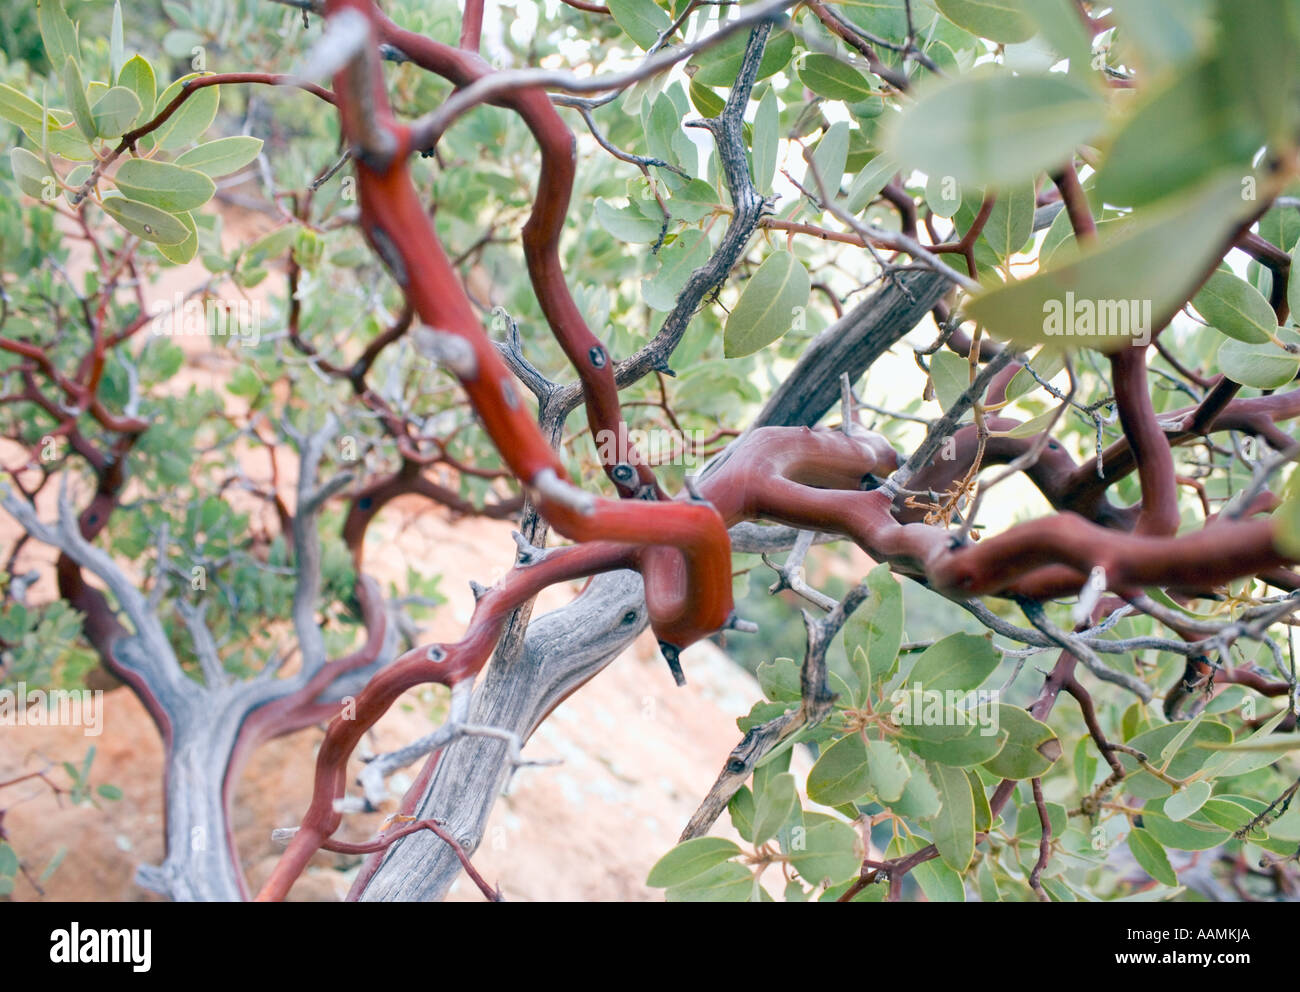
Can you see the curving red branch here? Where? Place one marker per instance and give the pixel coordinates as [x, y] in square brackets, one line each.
[689, 585]
[541, 243]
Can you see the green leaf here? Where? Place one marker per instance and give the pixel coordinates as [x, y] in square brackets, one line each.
[146, 221]
[55, 861]
[1162, 33]
[693, 201]
[954, 827]
[1225, 814]
[779, 679]
[720, 65]
[727, 882]
[830, 157]
[1059, 24]
[766, 142]
[29, 172]
[870, 180]
[943, 195]
[1236, 308]
[842, 773]
[1264, 366]
[223, 156]
[834, 79]
[1011, 220]
[889, 771]
[641, 20]
[997, 20]
[994, 129]
[170, 187]
[1268, 745]
[775, 804]
[1193, 752]
[708, 103]
[829, 853]
[983, 811]
[115, 112]
[1185, 802]
[950, 374]
[109, 792]
[741, 810]
[1031, 746]
[627, 224]
[19, 109]
[1178, 741]
[961, 746]
[1154, 262]
[1293, 285]
[688, 251]
[959, 661]
[57, 31]
[8, 860]
[664, 122]
[185, 251]
[273, 244]
[938, 881]
[920, 799]
[1236, 760]
[1151, 857]
[1179, 132]
[116, 42]
[137, 76]
[876, 628]
[75, 90]
[1031, 427]
[689, 860]
[766, 309]
[191, 119]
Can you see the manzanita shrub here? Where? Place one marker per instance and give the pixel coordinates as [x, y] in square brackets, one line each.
[1000, 293]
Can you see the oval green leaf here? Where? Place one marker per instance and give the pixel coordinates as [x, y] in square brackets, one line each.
[1151, 856]
[115, 111]
[959, 661]
[829, 853]
[834, 79]
[29, 172]
[954, 828]
[223, 156]
[1264, 366]
[75, 91]
[146, 221]
[641, 20]
[190, 119]
[775, 805]
[164, 185]
[1031, 746]
[1236, 308]
[690, 860]
[997, 20]
[842, 773]
[727, 882]
[767, 307]
[137, 76]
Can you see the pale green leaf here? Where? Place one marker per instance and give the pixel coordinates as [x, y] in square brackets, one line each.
[767, 307]
[223, 156]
